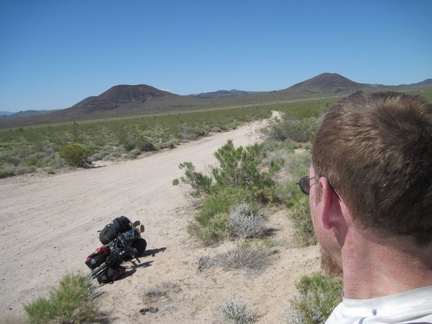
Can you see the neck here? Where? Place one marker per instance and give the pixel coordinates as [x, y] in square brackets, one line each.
[375, 267]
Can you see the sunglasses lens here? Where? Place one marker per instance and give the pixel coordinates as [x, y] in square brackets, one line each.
[304, 184]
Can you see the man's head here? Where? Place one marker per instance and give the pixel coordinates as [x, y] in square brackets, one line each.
[376, 151]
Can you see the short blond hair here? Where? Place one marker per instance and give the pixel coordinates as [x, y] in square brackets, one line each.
[376, 150]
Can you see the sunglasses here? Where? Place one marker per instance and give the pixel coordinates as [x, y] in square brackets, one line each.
[304, 184]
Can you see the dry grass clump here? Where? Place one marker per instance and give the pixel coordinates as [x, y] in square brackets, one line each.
[244, 256]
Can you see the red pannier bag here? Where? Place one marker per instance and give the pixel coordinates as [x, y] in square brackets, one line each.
[98, 257]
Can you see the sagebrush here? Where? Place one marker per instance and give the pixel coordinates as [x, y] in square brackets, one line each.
[237, 312]
[245, 222]
[72, 302]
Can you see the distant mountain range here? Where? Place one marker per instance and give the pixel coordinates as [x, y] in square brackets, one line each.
[221, 93]
[25, 113]
[124, 100]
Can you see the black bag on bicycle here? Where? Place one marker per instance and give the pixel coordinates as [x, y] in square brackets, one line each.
[112, 230]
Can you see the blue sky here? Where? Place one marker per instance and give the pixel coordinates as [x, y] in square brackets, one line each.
[54, 53]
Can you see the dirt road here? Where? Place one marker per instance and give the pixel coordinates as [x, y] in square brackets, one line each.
[49, 225]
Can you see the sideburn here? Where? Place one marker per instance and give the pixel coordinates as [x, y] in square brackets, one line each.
[329, 266]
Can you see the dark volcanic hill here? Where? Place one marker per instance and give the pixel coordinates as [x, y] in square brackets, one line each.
[125, 96]
[427, 82]
[328, 82]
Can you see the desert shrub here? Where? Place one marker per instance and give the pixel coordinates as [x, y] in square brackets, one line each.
[231, 171]
[240, 167]
[132, 137]
[128, 137]
[238, 179]
[71, 302]
[129, 144]
[147, 146]
[237, 312]
[6, 171]
[199, 182]
[75, 155]
[293, 129]
[210, 224]
[244, 222]
[25, 169]
[56, 161]
[210, 230]
[275, 160]
[9, 158]
[318, 296]
[246, 256]
[134, 153]
[172, 142]
[36, 159]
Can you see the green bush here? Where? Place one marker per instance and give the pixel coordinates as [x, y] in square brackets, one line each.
[6, 171]
[132, 138]
[199, 182]
[75, 155]
[238, 179]
[71, 302]
[292, 128]
[147, 146]
[319, 295]
[240, 167]
[210, 224]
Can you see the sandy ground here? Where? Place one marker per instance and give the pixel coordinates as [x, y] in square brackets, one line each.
[49, 225]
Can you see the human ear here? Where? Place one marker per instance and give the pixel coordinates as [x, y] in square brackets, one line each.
[331, 209]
